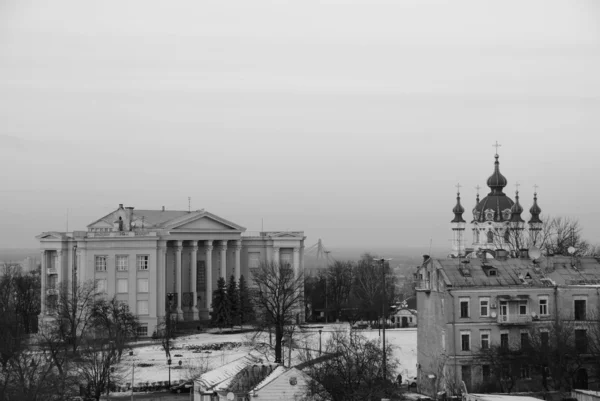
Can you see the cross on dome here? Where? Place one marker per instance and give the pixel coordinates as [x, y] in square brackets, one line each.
[496, 145]
[458, 188]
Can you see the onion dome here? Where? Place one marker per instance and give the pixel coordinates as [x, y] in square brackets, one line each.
[496, 206]
[497, 181]
[516, 211]
[535, 211]
[458, 211]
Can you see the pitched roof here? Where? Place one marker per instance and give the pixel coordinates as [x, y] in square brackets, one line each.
[510, 272]
[218, 376]
[249, 377]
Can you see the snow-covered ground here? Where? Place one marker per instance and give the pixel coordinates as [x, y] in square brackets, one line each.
[151, 362]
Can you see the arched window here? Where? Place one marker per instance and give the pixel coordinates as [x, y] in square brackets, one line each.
[490, 237]
[507, 235]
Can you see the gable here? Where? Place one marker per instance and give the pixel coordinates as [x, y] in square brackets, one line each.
[49, 235]
[205, 223]
[100, 224]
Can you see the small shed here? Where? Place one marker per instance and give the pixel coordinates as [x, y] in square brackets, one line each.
[404, 317]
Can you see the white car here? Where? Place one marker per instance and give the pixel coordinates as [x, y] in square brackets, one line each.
[412, 382]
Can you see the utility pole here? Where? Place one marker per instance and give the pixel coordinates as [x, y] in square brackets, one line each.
[382, 262]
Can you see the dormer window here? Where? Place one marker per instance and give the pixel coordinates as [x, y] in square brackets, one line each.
[492, 272]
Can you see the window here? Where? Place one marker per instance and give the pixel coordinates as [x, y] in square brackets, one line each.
[286, 259]
[507, 235]
[493, 272]
[543, 303]
[142, 262]
[490, 237]
[580, 309]
[525, 372]
[464, 307]
[122, 262]
[522, 307]
[524, 340]
[485, 339]
[253, 260]
[442, 306]
[122, 285]
[484, 307]
[142, 285]
[544, 336]
[142, 307]
[486, 372]
[101, 286]
[504, 341]
[443, 340]
[100, 263]
[465, 341]
[142, 330]
[581, 341]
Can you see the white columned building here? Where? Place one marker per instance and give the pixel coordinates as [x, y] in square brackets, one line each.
[142, 256]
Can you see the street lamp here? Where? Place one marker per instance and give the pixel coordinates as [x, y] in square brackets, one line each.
[382, 261]
[132, 372]
[169, 363]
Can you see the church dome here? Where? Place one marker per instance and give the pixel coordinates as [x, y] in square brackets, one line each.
[535, 211]
[496, 206]
[458, 210]
[516, 210]
[497, 181]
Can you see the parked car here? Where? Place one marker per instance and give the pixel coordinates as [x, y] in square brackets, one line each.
[183, 387]
[411, 382]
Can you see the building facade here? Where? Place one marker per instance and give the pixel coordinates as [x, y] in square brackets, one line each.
[160, 260]
[495, 294]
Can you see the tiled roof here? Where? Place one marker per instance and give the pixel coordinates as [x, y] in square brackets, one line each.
[249, 377]
[559, 269]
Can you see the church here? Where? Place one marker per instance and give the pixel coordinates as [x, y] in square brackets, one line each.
[497, 223]
[159, 260]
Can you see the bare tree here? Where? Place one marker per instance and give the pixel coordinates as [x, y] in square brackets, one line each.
[112, 319]
[278, 295]
[352, 369]
[338, 277]
[97, 366]
[74, 309]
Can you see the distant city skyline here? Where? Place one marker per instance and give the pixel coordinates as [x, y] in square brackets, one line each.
[352, 121]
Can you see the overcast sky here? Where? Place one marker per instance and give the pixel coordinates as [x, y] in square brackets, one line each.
[350, 120]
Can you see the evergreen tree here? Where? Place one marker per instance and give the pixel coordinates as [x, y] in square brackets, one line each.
[220, 304]
[233, 301]
[246, 310]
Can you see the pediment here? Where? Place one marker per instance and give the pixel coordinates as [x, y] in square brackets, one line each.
[207, 222]
[286, 234]
[49, 235]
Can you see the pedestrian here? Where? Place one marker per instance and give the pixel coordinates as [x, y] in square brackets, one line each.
[399, 380]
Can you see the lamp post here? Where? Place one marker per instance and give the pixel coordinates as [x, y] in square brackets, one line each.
[169, 363]
[382, 261]
[132, 372]
[320, 331]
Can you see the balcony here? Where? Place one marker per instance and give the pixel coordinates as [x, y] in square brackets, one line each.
[514, 319]
[423, 285]
[51, 291]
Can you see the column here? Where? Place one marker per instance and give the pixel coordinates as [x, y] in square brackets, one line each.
[59, 267]
[194, 269]
[276, 255]
[161, 281]
[296, 261]
[178, 249]
[208, 249]
[224, 259]
[238, 255]
[44, 285]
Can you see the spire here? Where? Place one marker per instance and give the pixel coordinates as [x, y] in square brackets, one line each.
[458, 209]
[535, 210]
[496, 181]
[516, 210]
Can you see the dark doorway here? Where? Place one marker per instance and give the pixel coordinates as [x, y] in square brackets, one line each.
[581, 381]
[404, 321]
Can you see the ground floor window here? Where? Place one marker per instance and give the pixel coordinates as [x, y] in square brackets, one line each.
[142, 330]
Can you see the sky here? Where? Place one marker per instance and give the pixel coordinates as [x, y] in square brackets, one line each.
[350, 120]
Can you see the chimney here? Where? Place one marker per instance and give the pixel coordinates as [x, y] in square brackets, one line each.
[501, 254]
[163, 209]
[128, 217]
[120, 206]
[524, 253]
[425, 257]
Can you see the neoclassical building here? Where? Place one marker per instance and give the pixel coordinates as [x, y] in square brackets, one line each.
[156, 260]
